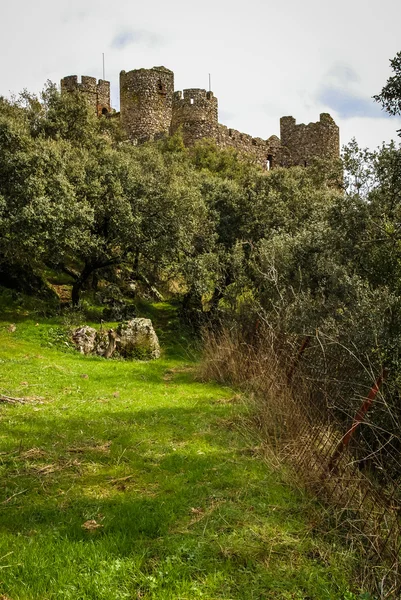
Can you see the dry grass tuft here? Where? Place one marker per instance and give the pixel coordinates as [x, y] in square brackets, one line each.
[258, 370]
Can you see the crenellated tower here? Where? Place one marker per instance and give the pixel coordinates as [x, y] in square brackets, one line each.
[195, 112]
[96, 92]
[304, 142]
[146, 103]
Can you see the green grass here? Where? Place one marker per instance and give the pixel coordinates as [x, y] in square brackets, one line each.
[187, 506]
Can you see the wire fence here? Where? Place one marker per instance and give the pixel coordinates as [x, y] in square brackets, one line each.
[348, 449]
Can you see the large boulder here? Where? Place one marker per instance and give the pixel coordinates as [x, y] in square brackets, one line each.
[137, 339]
[84, 338]
[132, 339]
[90, 341]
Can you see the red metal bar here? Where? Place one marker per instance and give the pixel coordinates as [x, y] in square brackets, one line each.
[298, 357]
[365, 406]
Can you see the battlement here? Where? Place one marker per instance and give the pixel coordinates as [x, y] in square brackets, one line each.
[193, 96]
[321, 139]
[85, 84]
[97, 92]
[147, 76]
[195, 112]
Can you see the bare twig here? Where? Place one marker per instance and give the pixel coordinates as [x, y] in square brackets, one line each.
[13, 496]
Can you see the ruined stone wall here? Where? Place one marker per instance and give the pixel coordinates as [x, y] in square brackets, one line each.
[103, 97]
[269, 153]
[97, 93]
[256, 148]
[146, 103]
[195, 112]
[304, 142]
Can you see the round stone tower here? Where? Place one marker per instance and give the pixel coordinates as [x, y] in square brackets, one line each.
[196, 113]
[146, 101]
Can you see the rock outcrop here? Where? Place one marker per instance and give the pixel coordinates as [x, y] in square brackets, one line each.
[132, 339]
[84, 339]
[137, 338]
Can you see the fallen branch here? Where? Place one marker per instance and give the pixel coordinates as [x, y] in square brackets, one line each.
[13, 496]
[113, 481]
[11, 400]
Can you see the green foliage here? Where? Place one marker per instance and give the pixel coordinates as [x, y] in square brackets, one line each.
[305, 249]
[390, 96]
[290, 244]
[226, 163]
[73, 197]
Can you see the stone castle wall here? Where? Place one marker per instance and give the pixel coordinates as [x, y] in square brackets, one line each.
[150, 109]
[146, 103]
[304, 142]
[96, 92]
[256, 148]
[195, 113]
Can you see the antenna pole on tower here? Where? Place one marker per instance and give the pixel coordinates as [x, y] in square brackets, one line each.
[104, 73]
[210, 83]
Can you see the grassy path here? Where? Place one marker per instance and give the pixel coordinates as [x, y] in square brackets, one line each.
[133, 480]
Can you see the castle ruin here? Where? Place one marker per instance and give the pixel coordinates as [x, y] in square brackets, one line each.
[96, 92]
[150, 109]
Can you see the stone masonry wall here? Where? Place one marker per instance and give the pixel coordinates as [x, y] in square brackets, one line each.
[245, 144]
[150, 109]
[195, 112]
[267, 153]
[96, 92]
[146, 103]
[103, 97]
[321, 139]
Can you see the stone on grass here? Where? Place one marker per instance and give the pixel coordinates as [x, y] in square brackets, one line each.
[132, 339]
[84, 339]
[90, 341]
[138, 339]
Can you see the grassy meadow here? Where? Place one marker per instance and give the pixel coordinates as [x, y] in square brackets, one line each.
[134, 480]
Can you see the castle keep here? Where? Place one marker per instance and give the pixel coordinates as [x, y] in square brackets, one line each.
[150, 109]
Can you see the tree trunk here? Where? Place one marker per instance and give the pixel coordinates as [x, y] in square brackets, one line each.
[79, 284]
[136, 264]
[218, 293]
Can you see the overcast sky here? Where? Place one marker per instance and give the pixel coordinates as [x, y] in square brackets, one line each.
[267, 59]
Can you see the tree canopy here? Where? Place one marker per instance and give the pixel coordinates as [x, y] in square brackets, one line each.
[390, 96]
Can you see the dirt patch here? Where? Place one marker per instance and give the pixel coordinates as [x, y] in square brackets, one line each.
[33, 454]
[103, 448]
[233, 400]
[50, 468]
[62, 291]
[169, 374]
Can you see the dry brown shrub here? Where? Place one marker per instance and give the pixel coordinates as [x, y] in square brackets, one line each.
[259, 370]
